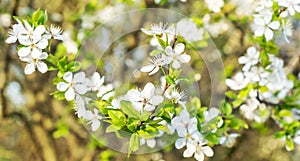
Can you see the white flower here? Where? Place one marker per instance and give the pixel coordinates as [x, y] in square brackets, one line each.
[34, 63]
[15, 32]
[157, 29]
[145, 99]
[34, 48]
[238, 82]
[55, 33]
[116, 103]
[94, 119]
[250, 59]
[292, 6]
[228, 140]
[189, 30]
[96, 81]
[79, 106]
[215, 5]
[105, 92]
[176, 56]
[263, 4]
[156, 63]
[265, 26]
[199, 149]
[31, 34]
[72, 85]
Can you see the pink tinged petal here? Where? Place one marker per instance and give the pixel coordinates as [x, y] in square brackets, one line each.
[156, 100]
[24, 51]
[184, 58]
[68, 77]
[39, 30]
[243, 60]
[70, 94]
[30, 68]
[80, 88]
[95, 125]
[169, 50]
[42, 44]
[180, 143]
[274, 25]
[156, 69]
[79, 77]
[179, 48]
[36, 53]
[62, 86]
[259, 21]
[188, 153]
[207, 151]
[42, 67]
[176, 64]
[199, 156]
[147, 68]
[148, 90]
[268, 34]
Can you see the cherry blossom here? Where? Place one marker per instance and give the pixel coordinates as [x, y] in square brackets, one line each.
[198, 148]
[238, 82]
[94, 119]
[157, 29]
[250, 59]
[156, 63]
[34, 63]
[189, 30]
[292, 6]
[33, 48]
[96, 81]
[215, 5]
[15, 32]
[145, 99]
[55, 33]
[176, 56]
[76, 84]
[31, 34]
[265, 26]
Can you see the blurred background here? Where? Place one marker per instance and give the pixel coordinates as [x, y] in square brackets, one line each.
[34, 126]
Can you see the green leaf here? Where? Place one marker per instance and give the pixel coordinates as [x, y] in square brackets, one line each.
[231, 95]
[226, 108]
[132, 124]
[117, 118]
[58, 95]
[211, 137]
[210, 125]
[170, 80]
[112, 128]
[134, 142]
[264, 58]
[155, 52]
[39, 17]
[52, 59]
[289, 144]
[62, 64]
[285, 113]
[74, 66]
[127, 108]
[161, 42]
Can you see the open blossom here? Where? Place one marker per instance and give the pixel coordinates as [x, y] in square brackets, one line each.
[238, 82]
[250, 59]
[265, 26]
[76, 84]
[176, 56]
[15, 32]
[94, 119]
[34, 63]
[292, 6]
[33, 48]
[96, 81]
[156, 63]
[145, 99]
[31, 34]
[215, 5]
[263, 4]
[211, 114]
[176, 96]
[105, 91]
[199, 149]
[55, 33]
[249, 109]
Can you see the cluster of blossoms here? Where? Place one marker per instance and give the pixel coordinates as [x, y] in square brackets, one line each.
[33, 42]
[263, 82]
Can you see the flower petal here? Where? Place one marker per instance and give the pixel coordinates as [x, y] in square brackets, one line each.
[80, 88]
[30, 68]
[208, 151]
[148, 90]
[274, 25]
[42, 67]
[147, 68]
[36, 53]
[184, 58]
[70, 94]
[180, 143]
[62, 86]
[156, 100]
[176, 64]
[68, 77]
[95, 125]
[179, 48]
[268, 34]
[79, 77]
[24, 51]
